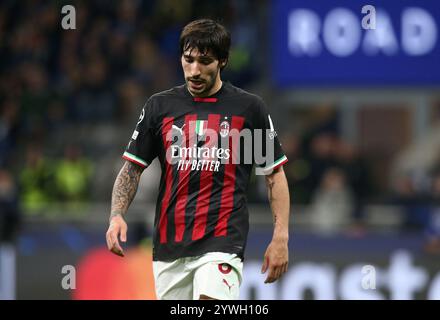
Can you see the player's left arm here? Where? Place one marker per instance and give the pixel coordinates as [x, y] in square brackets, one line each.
[276, 258]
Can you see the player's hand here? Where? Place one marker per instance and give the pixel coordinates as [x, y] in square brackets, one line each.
[276, 260]
[117, 227]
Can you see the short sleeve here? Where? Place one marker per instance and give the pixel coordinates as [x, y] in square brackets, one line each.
[142, 147]
[267, 144]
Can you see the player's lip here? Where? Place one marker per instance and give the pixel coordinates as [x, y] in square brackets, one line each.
[197, 82]
[197, 85]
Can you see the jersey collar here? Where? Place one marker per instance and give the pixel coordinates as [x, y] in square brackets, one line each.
[210, 99]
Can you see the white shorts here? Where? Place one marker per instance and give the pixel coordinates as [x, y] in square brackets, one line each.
[215, 274]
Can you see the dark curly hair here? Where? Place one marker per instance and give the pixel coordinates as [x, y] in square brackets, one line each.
[206, 35]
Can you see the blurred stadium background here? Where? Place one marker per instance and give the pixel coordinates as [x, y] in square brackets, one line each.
[358, 112]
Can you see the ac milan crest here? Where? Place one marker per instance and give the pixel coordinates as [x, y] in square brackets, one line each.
[224, 129]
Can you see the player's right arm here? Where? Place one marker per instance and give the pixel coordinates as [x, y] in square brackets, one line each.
[140, 152]
[124, 190]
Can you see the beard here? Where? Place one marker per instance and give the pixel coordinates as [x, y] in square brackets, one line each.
[206, 85]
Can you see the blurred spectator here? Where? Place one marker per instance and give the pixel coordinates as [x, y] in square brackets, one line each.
[95, 102]
[415, 204]
[358, 177]
[320, 158]
[9, 224]
[432, 230]
[56, 117]
[131, 100]
[9, 129]
[243, 63]
[332, 203]
[73, 177]
[9, 208]
[36, 181]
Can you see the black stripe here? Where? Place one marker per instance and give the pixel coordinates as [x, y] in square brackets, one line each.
[193, 192]
[215, 200]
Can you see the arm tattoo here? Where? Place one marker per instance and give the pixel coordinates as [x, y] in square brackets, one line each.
[278, 193]
[270, 184]
[125, 188]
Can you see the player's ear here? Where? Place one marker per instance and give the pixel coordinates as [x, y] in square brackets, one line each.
[223, 63]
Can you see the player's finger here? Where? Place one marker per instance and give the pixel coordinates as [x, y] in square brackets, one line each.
[275, 273]
[265, 264]
[116, 245]
[269, 279]
[282, 270]
[278, 272]
[116, 248]
[117, 252]
[123, 235]
[270, 276]
[285, 267]
[108, 238]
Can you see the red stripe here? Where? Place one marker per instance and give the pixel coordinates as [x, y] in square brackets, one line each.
[206, 177]
[182, 185]
[198, 99]
[163, 220]
[227, 199]
[134, 161]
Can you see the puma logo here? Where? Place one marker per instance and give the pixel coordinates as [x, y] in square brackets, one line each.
[180, 130]
[226, 283]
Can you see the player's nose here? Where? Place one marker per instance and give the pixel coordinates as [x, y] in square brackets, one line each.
[195, 69]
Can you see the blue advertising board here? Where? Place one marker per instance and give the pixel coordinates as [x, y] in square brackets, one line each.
[330, 42]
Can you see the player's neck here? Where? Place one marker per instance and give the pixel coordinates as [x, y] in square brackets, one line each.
[217, 86]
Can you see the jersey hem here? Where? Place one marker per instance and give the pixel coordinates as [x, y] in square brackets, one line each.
[157, 256]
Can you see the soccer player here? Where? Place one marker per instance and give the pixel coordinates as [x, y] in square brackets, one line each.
[201, 222]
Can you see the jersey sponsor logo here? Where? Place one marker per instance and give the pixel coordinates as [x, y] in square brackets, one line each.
[199, 165]
[205, 157]
[199, 158]
[206, 145]
[200, 152]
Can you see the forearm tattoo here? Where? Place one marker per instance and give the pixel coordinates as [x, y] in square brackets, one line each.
[125, 188]
[270, 184]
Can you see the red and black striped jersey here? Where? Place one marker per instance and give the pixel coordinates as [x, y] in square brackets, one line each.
[207, 148]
